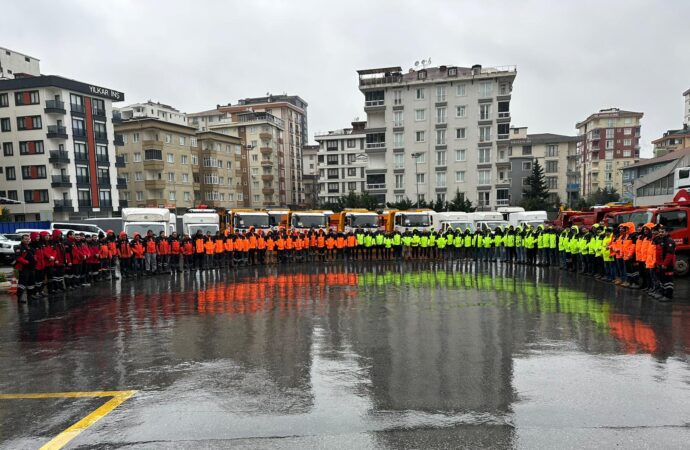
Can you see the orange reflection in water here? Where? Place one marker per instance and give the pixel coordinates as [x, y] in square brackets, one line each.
[636, 336]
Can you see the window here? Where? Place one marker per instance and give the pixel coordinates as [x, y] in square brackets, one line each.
[526, 166]
[486, 88]
[397, 97]
[398, 141]
[187, 197]
[12, 195]
[627, 154]
[440, 179]
[673, 220]
[628, 120]
[440, 93]
[420, 178]
[135, 137]
[332, 173]
[552, 183]
[192, 141]
[33, 172]
[460, 133]
[609, 143]
[185, 178]
[485, 111]
[76, 103]
[136, 157]
[399, 181]
[352, 186]
[255, 171]
[29, 123]
[627, 142]
[10, 173]
[140, 196]
[7, 149]
[440, 137]
[460, 111]
[184, 159]
[195, 160]
[420, 136]
[552, 150]
[171, 158]
[421, 158]
[419, 94]
[351, 172]
[171, 196]
[397, 122]
[182, 140]
[138, 176]
[460, 176]
[398, 160]
[31, 147]
[351, 143]
[460, 154]
[99, 131]
[153, 154]
[484, 177]
[332, 187]
[168, 138]
[26, 98]
[484, 134]
[551, 167]
[526, 150]
[419, 114]
[331, 145]
[441, 115]
[171, 177]
[460, 90]
[5, 124]
[441, 158]
[332, 160]
[98, 107]
[36, 196]
[4, 100]
[609, 133]
[484, 155]
[398, 198]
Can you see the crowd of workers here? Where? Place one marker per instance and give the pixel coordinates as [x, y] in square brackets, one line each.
[642, 258]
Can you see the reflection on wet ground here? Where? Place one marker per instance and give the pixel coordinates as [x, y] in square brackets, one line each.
[368, 355]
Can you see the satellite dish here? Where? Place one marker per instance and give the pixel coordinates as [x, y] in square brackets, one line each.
[416, 63]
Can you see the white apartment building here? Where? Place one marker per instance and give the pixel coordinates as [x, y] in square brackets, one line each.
[152, 110]
[436, 130]
[686, 116]
[310, 175]
[14, 63]
[58, 146]
[342, 163]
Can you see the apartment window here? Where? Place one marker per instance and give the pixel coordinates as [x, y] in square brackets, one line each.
[398, 140]
[484, 155]
[627, 131]
[172, 196]
[98, 107]
[485, 89]
[526, 150]
[12, 195]
[10, 173]
[484, 177]
[182, 140]
[99, 131]
[7, 149]
[187, 196]
[397, 97]
[399, 181]
[420, 178]
[195, 160]
[460, 133]
[609, 133]
[460, 176]
[460, 90]
[171, 158]
[138, 176]
[552, 150]
[29, 123]
[440, 137]
[419, 114]
[485, 111]
[26, 98]
[609, 144]
[421, 159]
[551, 167]
[36, 196]
[76, 103]
[332, 160]
[31, 147]
[135, 137]
[171, 177]
[153, 154]
[255, 171]
[352, 186]
[484, 134]
[627, 142]
[440, 179]
[526, 166]
[332, 187]
[168, 138]
[331, 145]
[398, 160]
[332, 173]
[184, 159]
[136, 157]
[185, 178]
[192, 141]
[80, 153]
[398, 198]
[419, 94]
[460, 154]
[5, 124]
[4, 100]
[351, 172]
[420, 136]
[351, 143]
[627, 154]
[140, 196]
[628, 120]
[460, 111]
[397, 122]
[441, 115]
[441, 158]
[440, 93]
[33, 172]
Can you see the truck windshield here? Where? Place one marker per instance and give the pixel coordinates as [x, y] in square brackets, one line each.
[364, 221]
[143, 228]
[461, 226]
[304, 221]
[251, 220]
[204, 228]
[415, 220]
[492, 225]
[640, 218]
[277, 219]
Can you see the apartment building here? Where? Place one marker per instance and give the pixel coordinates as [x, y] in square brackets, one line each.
[168, 165]
[651, 180]
[611, 141]
[671, 141]
[152, 110]
[433, 131]
[310, 175]
[553, 152]
[342, 164]
[14, 63]
[58, 146]
[686, 97]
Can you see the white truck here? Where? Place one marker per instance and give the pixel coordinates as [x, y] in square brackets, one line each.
[508, 210]
[86, 228]
[534, 218]
[488, 220]
[141, 220]
[243, 220]
[204, 220]
[278, 218]
[453, 220]
[302, 221]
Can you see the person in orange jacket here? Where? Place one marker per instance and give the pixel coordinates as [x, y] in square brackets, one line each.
[209, 249]
[151, 255]
[176, 257]
[219, 250]
[139, 255]
[229, 245]
[270, 248]
[125, 255]
[163, 249]
[260, 248]
[111, 240]
[188, 252]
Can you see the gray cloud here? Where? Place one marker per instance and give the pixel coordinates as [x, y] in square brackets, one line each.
[573, 57]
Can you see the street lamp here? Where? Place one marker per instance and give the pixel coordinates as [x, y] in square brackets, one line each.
[416, 174]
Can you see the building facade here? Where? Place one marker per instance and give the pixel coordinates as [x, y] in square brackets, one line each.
[434, 131]
[310, 175]
[58, 142]
[219, 179]
[552, 151]
[342, 164]
[14, 63]
[686, 115]
[672, 140]
[651, 180]
[610, 141]
[152, 110]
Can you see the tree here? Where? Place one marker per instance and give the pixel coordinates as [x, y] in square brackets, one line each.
[460, 203]
[603, 196]
[536, 193]
[402, 205]
[5, 215]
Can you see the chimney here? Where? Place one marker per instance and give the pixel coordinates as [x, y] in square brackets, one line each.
[476, 69]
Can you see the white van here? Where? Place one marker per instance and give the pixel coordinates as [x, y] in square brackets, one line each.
[534, 218]
[86, 228]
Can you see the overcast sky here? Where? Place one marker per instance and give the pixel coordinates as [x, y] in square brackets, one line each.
[573, 57]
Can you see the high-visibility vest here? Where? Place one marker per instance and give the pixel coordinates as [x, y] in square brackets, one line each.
[209, 246]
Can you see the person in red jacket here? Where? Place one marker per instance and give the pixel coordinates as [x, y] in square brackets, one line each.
[39, 272]
[175, 253]
[68, 245]
[25, 264]
[93, 259]
[163, 248]
[139, 252]
[665, 265]
[124, 255]
[49, 255]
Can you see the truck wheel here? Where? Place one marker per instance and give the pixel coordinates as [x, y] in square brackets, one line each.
[682, 265]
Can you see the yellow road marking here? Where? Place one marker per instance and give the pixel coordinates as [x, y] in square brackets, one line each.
[73, 431]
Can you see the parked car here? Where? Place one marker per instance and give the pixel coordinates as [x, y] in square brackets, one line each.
[8, 244]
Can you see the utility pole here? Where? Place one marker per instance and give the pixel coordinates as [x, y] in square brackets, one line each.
[416, 175]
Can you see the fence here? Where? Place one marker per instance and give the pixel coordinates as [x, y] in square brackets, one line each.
[11, 227]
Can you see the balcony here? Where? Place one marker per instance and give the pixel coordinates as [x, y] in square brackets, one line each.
[376, 186]
[81, 156]
[374, 105]
[155, 184]
[83, 180]
[503, 136]
[503, 182]
[56, 132]
[60, 181]
[120, 162]
[78, 133]
[265, 136]
[58, 157]
[503, 202]
[102, 160]
[266, 150]
[267, 177]
[84, 203]
[118, 141]
[77, 109]
[101, 137]
[55, 107]
[104, 182]
[117, 118]
[266, 163]
[504, 114]
[98, 113]
[121, 183]
[268, 191]
[154, 164]
[105, 203]
[152, 145]
[64, 205]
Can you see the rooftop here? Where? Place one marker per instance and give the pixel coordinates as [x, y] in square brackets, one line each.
[668, 157]
[609, 112]
[340, 132]
[294, 100]
[61, 82]
[687, 92]
[151, 103]
[387, 75]
[4, 49]
[205, 113]
[682, 132]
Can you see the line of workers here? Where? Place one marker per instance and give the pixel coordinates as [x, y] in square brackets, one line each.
[642, 258]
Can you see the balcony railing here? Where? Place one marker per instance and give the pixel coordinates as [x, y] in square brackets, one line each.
[62, 205]
[55, 106]
[101, 136]
[60, 181]
[501, 136]
[58, 157]
[105, 203]
[504, 115]
[83, 179]
[98, 112]
[376, 145]
[57, 132]
[376, 186]
[118, 140]
[78, 133]
[372, 103]
[120, 162]
[117, 117]
[502, 202]
[103, 181]
[84, 203]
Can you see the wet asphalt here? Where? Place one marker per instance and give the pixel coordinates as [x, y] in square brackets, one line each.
[364, 355]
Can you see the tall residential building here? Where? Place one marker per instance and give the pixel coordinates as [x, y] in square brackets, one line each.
[153, 110]
[553, 152]
[436, 130]
[686, 118]
[611, 141]
[14, 63]
[58, 147]
[310, 175]
[342, 164]
[173, 166]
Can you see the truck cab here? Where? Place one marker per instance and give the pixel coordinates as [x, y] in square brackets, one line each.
[141, 220]
[204, 220]
[409, 220]
[353, 219]
[302, 221]
[533, 218]
[241, 220]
